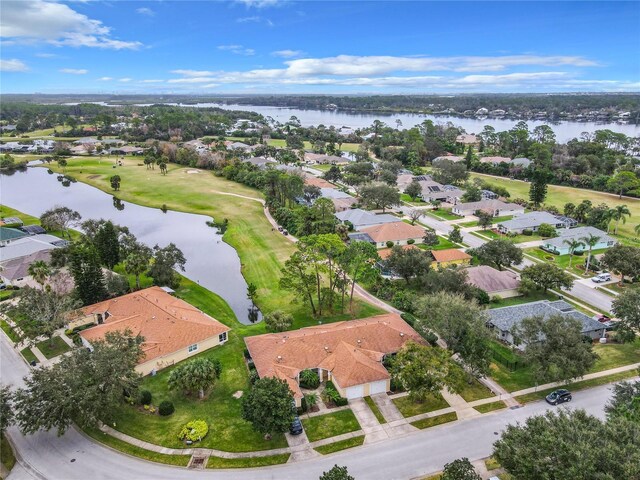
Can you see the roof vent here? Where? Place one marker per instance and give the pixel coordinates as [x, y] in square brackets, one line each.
[279, 358]
[326, 348]
[402, 334]
[359, 341]
[153, 317]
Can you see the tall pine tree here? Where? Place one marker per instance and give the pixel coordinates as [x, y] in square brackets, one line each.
[538, 188]
[106, 242]
[84, 264]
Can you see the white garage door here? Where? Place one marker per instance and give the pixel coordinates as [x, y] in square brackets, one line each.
[355, 392]
[378, 387]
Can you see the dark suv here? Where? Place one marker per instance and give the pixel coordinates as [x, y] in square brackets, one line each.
[296, 427]
[559, 396]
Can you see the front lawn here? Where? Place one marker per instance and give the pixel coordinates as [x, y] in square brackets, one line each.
[28, 355]
[562, 261]
[443, 215]
[407, 199]
[490, 407]
[6, 328]
[250, 462]
[409, 408]
[475, 390]
[516, 239]
[614, 355]
[7, 457]
[433, 421]
[330, 425]
[53, 348]
[533, 296]
[340, 445]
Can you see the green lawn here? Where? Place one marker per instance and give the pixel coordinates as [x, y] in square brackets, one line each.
[531, 297]
[562, 261]
[330, 425]
[559, 196]
[517, 239]
[28, 355]
[277, 142]
[433, 421]
[581, 385]
[262, 251]
[7, 457]
[490, 407]
[475, 390]
[444, 244]
[340, 445]
[251, 462]
[417, 202]
[127, 448]
[6, 328]
[442, 214]
[409, 408]
[494, 220]
[56, 346]
[374, 408]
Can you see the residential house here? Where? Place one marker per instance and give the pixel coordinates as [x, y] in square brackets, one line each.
[506, 320]
[341, 200]
[495, 160]
[260, 162]
[449, 257]
[404, 180]
[11, 222]
[360, 237]
[362, 218]
[467, 139]
[488, 195]
[451, 158]
[400, 233]
[33, 229]
[434, 191]
[558, 246]
[530, 221]
[317, 181]
[28, 244]
[173, 330]
[8, 235]
[87, 141]
[503, 284]
[126, 150]
[321, 158]
[349, 354]
[16, 270]
[495, 208]
[521, 162]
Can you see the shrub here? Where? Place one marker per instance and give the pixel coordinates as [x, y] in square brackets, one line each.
[390, 244]
[253, 377]
[330, 394]
[527, 232]
[403, 300]
[195, 430]
[145, 397]
[146, 407]
[432, 338]
[309, 379]
[166, 408]
[411, 241]
[547, 230]
[409, 318]
[152, 409]
[496, 299]
[303, 406]
[481, 296]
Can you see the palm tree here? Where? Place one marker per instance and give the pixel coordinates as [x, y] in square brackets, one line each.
[40, 271]
[610, 215]
[621, 212]
[573, 246]
[590, 241]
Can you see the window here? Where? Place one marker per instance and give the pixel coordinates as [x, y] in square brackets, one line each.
[193, 348]
[222, 337]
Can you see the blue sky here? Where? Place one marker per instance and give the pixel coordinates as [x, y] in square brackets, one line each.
[275, 46]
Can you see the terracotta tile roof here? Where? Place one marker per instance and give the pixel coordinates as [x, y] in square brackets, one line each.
[167, 324]
[393, 231]
[449, 255]
[351, 350]
[317, 182]
[385, 252]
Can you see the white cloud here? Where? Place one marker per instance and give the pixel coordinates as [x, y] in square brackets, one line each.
[254, 19]
[145, 11]
[192, 80]
[46, 55]
[211, 85]
[152, 81]
[261, 3]
[105, 79]
[125, 79]
[193, 73]
[13, 65]
[287, 53]
[29, 21]
[74, 71]
[237, 49]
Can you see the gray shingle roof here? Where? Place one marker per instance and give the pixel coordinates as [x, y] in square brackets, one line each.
[528, 220]
[506, 318]
[577, 234]
[362, 218]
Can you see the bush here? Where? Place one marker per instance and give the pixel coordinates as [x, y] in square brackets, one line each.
[195, 430]
[411, 241]
[481, 296]
[166, 408]
[309, 379]
[330, 394]
[390, 244]
[145, 397]
[403, 300]
[432, 338]
[496, 299]
[409, 318]
[303, 406]
[547, 230]
[527, 232]
[253, 377]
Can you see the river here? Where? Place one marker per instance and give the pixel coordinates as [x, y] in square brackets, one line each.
[210, 261]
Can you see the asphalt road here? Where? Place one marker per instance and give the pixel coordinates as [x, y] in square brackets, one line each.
[73, 456]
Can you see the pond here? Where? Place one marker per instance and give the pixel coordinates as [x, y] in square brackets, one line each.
[210, 261]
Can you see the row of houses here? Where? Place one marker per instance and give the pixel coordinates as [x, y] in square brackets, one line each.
[379, 229]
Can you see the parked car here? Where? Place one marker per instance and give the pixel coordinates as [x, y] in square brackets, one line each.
[559, 396]
[601, 277]
[296, 426]
[285, 233]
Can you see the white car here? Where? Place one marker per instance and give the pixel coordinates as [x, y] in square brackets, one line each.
[601, 277]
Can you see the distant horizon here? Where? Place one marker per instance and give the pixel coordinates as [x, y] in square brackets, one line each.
[260, 47]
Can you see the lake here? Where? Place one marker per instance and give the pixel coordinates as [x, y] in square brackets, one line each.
[210, 261]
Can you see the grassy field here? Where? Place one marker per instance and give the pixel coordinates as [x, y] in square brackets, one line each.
[262, 251]
[330, 425]
[345, 147]
[409, 408]
[433, 421]
[374, 408]
[53, 348]
[251, 462]
[340, 445]
[490, 407]
[559, 196]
